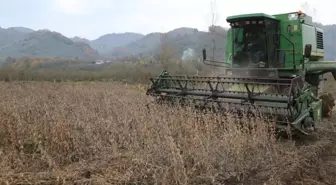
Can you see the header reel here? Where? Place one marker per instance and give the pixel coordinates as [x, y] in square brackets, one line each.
[240, 91]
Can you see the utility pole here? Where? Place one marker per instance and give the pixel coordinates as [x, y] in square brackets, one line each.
[212, 29]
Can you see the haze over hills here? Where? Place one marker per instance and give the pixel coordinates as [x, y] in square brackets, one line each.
[106, 43]
[177, 42]
[42, 43]
[330, 41]
[80, 39]
[20, 41]
[10, 35]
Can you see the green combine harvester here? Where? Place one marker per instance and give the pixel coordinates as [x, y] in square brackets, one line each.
[274, 67]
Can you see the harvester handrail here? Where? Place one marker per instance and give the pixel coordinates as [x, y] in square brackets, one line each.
[292, 43]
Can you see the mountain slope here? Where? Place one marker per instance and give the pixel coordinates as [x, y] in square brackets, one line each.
[80, 39]
[10, 35]
[22, 29]
[146, 45]
[44, 43]
[178, 40]
[105, 43]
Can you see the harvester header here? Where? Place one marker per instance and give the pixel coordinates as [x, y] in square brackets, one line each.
[274, 64]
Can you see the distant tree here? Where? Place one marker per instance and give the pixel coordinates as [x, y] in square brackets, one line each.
[217, 30]
[197, 64]
[211, 30]
[10, 59]
[213, 22]
[166, 53]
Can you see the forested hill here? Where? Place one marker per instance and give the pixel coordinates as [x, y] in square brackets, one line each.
[19, 42]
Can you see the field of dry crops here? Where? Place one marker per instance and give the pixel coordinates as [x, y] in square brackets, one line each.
[102, 133]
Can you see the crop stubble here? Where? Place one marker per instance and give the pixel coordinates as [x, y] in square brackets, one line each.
[102, 133]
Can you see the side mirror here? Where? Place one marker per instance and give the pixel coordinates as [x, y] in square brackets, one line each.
[307, 51]
[213, 62]
[204, 54]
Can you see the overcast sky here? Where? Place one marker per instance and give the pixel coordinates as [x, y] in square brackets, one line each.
[93, 18]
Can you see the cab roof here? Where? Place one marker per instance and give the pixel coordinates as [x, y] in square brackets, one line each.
[247, 16]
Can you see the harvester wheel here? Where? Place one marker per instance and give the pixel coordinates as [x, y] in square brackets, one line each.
[308, 125]
[328, 103]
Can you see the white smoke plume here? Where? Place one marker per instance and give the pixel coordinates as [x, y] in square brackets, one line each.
[188, 54]
[311, 11]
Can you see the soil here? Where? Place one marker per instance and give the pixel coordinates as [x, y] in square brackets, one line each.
[322, 170]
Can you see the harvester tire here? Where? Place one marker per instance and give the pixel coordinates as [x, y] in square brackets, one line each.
[328, 103]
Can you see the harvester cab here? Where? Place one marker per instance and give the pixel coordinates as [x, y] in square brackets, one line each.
[274, 68]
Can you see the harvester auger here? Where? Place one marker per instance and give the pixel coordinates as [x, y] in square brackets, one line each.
[274, 66]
